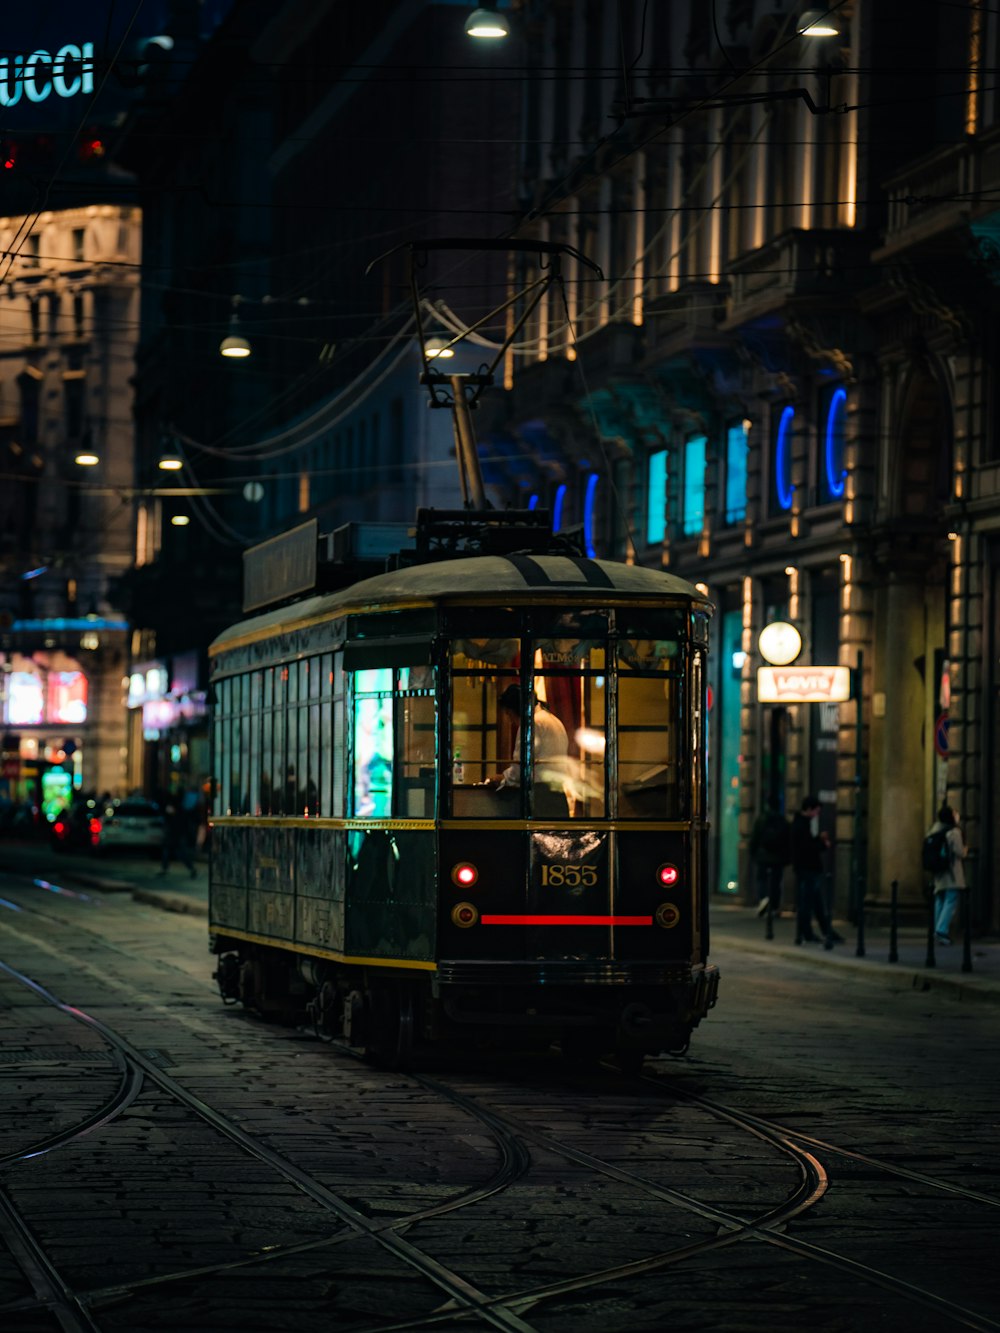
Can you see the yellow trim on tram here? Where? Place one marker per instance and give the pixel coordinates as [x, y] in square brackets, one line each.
[453, 825]
[317, 951]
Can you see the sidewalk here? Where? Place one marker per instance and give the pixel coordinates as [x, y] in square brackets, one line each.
[175, 891]
[733, 926]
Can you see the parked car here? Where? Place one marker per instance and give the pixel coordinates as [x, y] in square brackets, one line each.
[133, 825]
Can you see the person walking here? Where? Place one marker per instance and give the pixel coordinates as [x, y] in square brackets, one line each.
[178, 834]
[808, 846]
[770, 849]
[950, 881]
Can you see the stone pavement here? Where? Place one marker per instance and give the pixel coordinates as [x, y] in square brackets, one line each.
[734, 926]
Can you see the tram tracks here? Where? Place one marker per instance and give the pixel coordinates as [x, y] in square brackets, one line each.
[511, 1134]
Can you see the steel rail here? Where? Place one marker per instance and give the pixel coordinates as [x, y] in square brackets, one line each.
[473, 1300]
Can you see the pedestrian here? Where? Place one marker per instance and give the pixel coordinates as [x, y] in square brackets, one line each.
[177, 836]
[949, 882]
[808, 846]
[770, 847]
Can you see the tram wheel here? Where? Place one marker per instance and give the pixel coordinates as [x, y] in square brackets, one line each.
[392, 1024]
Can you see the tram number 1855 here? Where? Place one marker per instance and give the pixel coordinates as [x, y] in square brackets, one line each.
[557, 876]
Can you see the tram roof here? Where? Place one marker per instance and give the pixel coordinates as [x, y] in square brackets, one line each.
[476, 579]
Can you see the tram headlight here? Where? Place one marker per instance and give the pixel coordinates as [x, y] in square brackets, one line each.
[464, 874]
[464, 915]
[667, 876]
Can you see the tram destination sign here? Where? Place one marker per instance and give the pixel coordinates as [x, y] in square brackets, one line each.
[282, 567]
[803, 684]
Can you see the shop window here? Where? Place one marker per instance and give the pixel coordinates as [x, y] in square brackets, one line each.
[67, 701]
[25, 698]
[737, 450]
[656, 497]
[693, 516]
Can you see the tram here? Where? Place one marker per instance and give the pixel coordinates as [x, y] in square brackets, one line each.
[463, 799]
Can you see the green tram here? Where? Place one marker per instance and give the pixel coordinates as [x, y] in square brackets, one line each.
[402, 855]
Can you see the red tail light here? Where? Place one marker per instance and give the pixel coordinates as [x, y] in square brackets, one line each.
[668, 876]
[60, 827]
[464, 874]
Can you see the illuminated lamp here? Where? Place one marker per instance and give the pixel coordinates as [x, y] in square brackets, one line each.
[779, 643]
[464, 915]
[464, 874]
[87, 460]
[817, 23]
[170, 463]
[234, 345]
[668, 875]
[437, 347]
[486, 24]
[180, 520]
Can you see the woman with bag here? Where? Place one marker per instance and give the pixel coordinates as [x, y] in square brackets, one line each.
[950, 881]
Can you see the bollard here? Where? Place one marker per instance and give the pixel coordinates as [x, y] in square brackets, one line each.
[929, 961]
[893, 911]
[966, 933]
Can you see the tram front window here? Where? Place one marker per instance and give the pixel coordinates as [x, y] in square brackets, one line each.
[489, 712]
[650, 780]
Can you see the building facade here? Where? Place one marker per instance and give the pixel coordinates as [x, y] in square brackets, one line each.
[69, 321]
[779, 387]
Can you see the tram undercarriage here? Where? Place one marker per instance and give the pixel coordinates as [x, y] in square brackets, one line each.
[390, 1015]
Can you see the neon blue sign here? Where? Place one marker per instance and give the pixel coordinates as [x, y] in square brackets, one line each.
[588, 514]
[557, 508]
[834, 453]
[783, 459]
[68, 72]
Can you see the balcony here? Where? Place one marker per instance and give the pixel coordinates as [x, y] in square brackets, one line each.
[824, 265]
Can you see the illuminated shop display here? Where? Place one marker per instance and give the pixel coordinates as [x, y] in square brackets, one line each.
[67, 696]
[47, 688]
[25, 699]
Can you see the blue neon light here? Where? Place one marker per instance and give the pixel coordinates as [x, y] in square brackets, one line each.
[557, 508]
[588, 514]
[835, 473]
[783, 459]
[533, 502]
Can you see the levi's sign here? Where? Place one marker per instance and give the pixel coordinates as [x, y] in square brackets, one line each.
[68, 72]
[803, 684]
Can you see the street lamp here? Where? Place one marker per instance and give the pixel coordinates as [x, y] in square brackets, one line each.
[234, 345]
[170, 463]
[486, 24]
[437, 348]
[817, 23]
[87, 459]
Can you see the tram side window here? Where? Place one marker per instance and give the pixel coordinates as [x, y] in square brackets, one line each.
[251, 775]
[235, 804]
[650, 776]
[222, 744]
[570, 684]
[373, 744]
[415, 742]
[266, 741]
[278, 771]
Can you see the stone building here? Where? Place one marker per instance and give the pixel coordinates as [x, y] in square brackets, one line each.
[780, 388]
[69, 315]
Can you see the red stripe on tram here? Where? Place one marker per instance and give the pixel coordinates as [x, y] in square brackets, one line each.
[488, 920]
